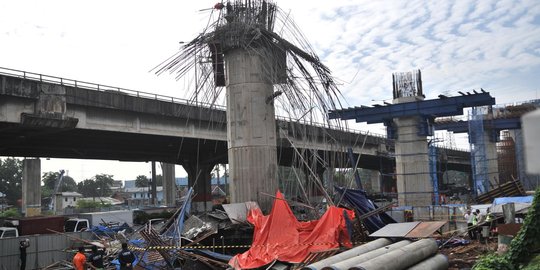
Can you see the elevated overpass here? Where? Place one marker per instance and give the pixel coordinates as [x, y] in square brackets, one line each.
[45, 116]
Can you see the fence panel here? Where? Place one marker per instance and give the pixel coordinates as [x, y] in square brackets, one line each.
[44, 249]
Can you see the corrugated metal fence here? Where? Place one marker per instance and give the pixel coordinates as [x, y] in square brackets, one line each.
[44, 250]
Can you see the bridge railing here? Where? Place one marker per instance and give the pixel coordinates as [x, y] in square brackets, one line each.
[104, 88]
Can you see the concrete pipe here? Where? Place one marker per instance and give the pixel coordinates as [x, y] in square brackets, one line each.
[367, 247]
[401, 258]
[437, 262]
[366, 256]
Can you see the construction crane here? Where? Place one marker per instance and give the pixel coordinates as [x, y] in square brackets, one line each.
[57, 185]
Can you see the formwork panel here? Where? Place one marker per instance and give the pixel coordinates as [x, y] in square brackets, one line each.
[422, 213]
[442, 213]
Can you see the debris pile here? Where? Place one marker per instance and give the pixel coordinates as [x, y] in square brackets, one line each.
[465, 256]
[280, 236]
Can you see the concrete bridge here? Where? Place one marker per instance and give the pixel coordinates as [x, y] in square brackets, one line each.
[45, 116]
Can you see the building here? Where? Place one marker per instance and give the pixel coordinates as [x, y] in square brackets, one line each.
[141, 195]
[66, 200]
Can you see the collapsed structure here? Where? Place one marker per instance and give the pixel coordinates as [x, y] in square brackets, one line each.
[257, 66]
[264, 73]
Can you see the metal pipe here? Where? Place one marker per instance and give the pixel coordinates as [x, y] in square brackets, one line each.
[345, 264]
[381, 242]
[401, 258]
[437, 262]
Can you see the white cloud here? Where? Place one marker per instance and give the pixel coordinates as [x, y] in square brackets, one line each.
[458, 45]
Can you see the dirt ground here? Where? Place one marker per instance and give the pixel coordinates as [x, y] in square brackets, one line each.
[463, 257]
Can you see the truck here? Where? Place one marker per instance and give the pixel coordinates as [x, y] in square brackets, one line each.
[6, 232]
[36, 225]
[85, 221]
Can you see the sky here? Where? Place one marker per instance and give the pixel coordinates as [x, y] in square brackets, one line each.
[458, 46]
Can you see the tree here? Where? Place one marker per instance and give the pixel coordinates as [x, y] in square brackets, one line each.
[159, 180]
[88, 188]
[11, 179]
[141, 181]
[341, 178]
[98, 186]
[144, 181]
[50, 178]
[104, 183]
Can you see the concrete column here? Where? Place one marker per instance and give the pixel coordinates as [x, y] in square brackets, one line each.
[414, 186]
[251, 128]
[375, 180]
[329, 183]
[169, 184]
[31, 187]
[199, 177]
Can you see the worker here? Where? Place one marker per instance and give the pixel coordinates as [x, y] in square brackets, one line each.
[23, 245]
[489, 219]
[474, 223]
[469, 218]
[479, 216]
[79, 260]
[489, 216]
[126, 258]
[95, 260]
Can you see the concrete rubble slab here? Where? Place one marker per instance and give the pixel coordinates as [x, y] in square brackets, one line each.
[237, 212]
[425, 229]
[422, 229]
[395, 230]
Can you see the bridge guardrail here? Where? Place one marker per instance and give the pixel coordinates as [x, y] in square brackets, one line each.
[104, 88]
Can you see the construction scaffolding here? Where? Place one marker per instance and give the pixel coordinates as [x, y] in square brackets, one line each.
[479, 160]
[433, 172]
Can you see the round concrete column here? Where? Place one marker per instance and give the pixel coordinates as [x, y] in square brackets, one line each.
[251, 128]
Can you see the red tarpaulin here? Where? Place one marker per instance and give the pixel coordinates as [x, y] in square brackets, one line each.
[280, 236]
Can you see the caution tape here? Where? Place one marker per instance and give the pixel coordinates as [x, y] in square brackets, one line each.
[222, 247]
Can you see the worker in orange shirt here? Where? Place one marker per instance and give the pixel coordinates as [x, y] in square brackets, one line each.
[79, 260]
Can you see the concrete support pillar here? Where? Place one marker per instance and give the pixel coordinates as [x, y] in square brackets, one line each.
[199, 177]
[414, 185]
[251, 128]
[375, 181]
[31, 187]
[169, 184]
[329, 183]
[153, 185]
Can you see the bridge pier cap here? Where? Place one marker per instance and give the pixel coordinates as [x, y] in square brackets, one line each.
[410, 120]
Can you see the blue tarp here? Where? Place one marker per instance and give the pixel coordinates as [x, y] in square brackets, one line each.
[109, 230]
[358, 200]
[505, 200]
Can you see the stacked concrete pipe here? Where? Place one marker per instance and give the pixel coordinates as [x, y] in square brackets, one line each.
[437, 262]
[351, 262]
[373, 245]
[401, 258]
